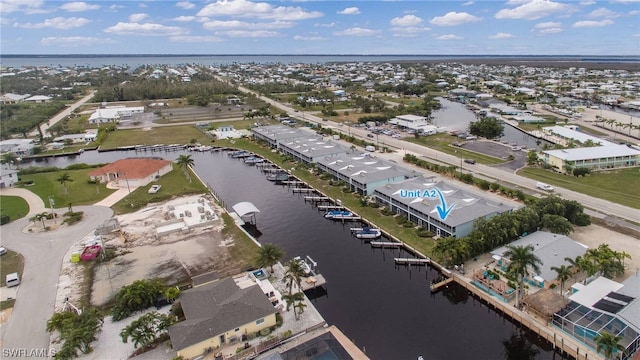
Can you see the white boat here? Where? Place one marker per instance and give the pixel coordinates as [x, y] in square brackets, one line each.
[338, 214]
[306, 267]
[252, 160]
[368, 233]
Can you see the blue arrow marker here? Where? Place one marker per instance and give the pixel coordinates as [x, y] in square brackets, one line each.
[442, 208]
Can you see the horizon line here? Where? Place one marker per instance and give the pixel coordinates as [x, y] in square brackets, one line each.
[435, 55]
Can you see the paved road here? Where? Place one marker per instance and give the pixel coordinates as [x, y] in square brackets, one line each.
[43, 255]
[62, 114]
[501, 175]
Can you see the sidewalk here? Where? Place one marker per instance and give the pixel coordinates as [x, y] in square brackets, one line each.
[115, 197]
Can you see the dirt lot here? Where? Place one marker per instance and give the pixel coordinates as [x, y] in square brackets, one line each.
[594, 235]
[141, 254]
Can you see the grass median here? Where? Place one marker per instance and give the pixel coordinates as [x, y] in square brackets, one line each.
[618, 186]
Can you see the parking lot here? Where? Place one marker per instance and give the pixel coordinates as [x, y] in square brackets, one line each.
[499, 150]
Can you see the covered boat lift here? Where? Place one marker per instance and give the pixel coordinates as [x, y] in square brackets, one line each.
[245, 210]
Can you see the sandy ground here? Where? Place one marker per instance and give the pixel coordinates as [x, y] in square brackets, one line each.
[594, 235]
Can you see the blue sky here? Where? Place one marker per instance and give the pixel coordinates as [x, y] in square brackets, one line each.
[512, 27]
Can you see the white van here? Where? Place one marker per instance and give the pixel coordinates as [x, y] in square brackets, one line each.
[543, 186]
[370, 148]
[12, 279]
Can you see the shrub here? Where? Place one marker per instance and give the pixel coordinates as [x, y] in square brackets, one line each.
[72, 217]
[4, 219]
[140, 295]
[265, 332]
[401, 220]
[424, 233]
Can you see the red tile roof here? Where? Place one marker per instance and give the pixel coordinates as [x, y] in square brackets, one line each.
[134, 168]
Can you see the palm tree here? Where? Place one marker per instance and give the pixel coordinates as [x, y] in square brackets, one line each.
[299, 305]
[521, 259]
[293, 275]
[64, 179]
[9, 159]
[268, 255]
[40, 217]
[564, 272]
[185, 162]
[608, 343]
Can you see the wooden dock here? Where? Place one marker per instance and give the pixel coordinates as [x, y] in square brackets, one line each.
[303, 190]
[386, 244]
[412, 261]
[329, 207]
[436, 286]
[312, 282]
[316, 198]
[291, 182]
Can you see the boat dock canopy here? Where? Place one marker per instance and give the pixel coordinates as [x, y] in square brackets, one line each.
[245, 208]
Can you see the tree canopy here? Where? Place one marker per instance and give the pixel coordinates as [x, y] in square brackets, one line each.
[487, 127]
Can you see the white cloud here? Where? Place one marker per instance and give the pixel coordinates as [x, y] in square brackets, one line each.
[143, 5]
[356, 31]
[236, 24]
[349, 11]
[184, 18]
[245, 8]
[249, 33]
[56, 23]
[195, 39]
[590, 24]
[74, 41]
[135, 18]
[309, 38]
[407, 20]
[532, 10]
[115, 7]
[185, 5]
[79, 6]
[587, 2]
[27, 7]
[147, 29]
[329, 25]
[449, 37]
[454, 18]
[550, 31]
[468, 3]
[408, 31]
[546, 25]
[603, 13]
[633, 12]
[625, 1]
[501, 35]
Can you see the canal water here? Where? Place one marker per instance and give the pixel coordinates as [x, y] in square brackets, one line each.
[456, 116]
[388, 311]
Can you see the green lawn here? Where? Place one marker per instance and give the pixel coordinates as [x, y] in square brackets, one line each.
[9, 263]
[14, 206]
[173, 184]
[442, 142]
[352, 201]
[619, 186]
[79, 191]
[182, 134]
[243, 249]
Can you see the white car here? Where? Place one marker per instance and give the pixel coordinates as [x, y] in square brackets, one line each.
[3, 250]
[154, 189]
[543, 186]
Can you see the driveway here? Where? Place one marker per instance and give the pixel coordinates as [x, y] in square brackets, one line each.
[43, 253]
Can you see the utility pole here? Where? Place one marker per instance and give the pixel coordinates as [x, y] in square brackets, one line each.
[51, 203]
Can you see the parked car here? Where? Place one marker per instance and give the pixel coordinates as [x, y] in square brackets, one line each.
[3, 250]
[470, 161]
[12, 279]
[370, 135]
[154, 189]
[543, 186]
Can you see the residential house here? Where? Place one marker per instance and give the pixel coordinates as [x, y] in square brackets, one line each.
[134, 171]
[220, 313]
[8, 176]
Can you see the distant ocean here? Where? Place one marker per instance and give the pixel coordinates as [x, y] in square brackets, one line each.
[94, 61]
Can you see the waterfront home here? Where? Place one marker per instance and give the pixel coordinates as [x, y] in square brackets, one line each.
[19, 147]
[593, 158]
[220, 313]
[604, 305]
[550, 248]
[113, 114]
[418, 199]
[275, 134]
[363, 173]
[8, 176]
[410, 122]
[134, 171]
[311, 149]
[572, 134]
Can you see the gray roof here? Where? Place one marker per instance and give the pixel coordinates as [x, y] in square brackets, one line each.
[469, 205]
[279, 132]
[364, 168]
[550, 248]
[576, 135]
[215, 308]
[313, 146]
[631, 312]
[596, 152]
